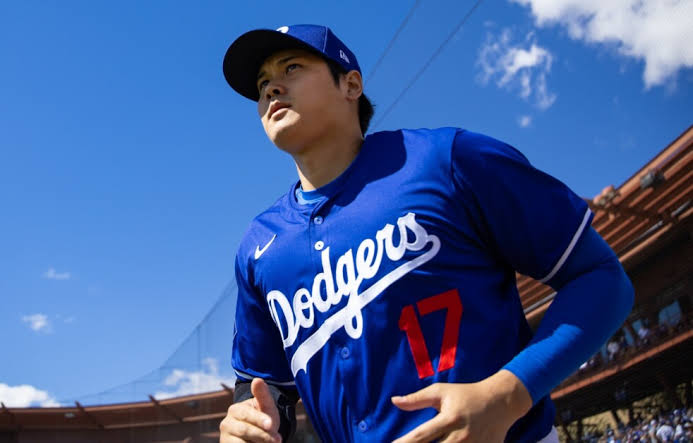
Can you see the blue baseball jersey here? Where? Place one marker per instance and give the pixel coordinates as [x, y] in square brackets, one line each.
[403, 275]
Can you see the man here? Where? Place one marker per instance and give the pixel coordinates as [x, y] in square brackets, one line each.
[665, 432]
[381, 287]
[612, 348]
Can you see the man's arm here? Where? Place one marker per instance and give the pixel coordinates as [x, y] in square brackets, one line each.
[593, 298]
[527, 221]
[262, 412]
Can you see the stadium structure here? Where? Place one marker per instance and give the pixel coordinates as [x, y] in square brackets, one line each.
[641, 373]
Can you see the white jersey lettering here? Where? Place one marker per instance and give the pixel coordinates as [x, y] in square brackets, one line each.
[349, 272]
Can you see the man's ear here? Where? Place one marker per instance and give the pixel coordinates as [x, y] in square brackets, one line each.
[354, 85]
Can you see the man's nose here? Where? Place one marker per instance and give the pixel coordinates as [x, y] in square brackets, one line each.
[274, 89]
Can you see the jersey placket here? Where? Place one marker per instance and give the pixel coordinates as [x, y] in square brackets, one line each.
[348, 368]
[348, 362]
[317, 235]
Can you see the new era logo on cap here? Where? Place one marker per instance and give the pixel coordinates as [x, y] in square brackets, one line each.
[245, 55]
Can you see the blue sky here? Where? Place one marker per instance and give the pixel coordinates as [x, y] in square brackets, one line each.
[129, 170]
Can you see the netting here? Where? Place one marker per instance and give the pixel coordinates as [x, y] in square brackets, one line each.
[200, 364]
[638, 383]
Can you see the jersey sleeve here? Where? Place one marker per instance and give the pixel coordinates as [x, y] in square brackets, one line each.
[529, 219]
[257, 346]
[572, 330]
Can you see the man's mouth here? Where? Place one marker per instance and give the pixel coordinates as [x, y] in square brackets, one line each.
[276, 106]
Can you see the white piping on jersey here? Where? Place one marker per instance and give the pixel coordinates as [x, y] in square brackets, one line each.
[570, 247]
[364, 266]
[271, 382]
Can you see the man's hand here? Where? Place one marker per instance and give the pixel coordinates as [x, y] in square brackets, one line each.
[468, 412]
[252, 420]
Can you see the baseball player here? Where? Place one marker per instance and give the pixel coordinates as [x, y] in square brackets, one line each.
[380, 289]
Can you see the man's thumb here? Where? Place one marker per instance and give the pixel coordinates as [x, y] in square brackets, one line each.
[263, 397]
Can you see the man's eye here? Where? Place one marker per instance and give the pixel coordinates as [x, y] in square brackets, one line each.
[291, 67]
[262, 85]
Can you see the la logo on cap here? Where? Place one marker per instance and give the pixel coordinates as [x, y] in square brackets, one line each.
[343, 56]
[283, 29]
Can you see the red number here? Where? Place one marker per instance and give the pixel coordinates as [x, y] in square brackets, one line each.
[409, 323]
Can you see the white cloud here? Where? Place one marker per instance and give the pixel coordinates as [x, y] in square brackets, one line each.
[194, 382]
[38, 322]
[524, 121]
[521, 67]
[69, 319]
[23, 396]
[659, 32]
[52, 274]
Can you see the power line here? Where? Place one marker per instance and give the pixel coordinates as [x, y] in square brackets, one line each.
[428, 63]
[392, 40]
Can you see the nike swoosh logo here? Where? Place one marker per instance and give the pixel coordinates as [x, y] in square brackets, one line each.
[259, 252]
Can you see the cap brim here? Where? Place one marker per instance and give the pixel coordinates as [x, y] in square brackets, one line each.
[245, 56]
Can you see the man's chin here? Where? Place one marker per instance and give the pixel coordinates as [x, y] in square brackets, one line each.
[285, 137]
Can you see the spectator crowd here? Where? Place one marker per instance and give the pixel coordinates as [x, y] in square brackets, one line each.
[674, 426]
[620, 348]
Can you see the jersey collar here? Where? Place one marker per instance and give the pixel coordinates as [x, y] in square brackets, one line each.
[330, 190]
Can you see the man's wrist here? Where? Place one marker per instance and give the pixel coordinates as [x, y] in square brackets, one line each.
[510, 393]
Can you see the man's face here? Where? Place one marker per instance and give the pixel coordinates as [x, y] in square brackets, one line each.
[299, 101]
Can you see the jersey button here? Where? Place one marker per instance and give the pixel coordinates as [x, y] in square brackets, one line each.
[319, 245]
[345, 353]
[363, 426]
[318, 220]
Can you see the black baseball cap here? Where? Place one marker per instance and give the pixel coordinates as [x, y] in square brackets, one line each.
[247, 53]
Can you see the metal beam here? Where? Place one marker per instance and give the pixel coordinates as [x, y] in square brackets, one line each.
[165, 409]
[227, 389]
[89, 416]
[561, 423]
[13, 418]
